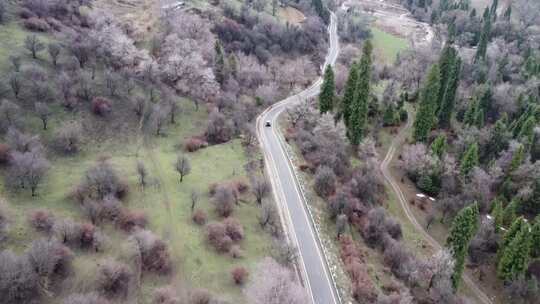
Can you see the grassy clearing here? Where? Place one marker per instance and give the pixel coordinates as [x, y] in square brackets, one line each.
[291, 15]
[166, 202]
[12, 37]
[387, 44]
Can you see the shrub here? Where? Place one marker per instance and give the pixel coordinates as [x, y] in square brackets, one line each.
[131, 220]
[200, 296]
[362, 286]
[101, 106]
[348, 250]
[36, 24]
[114, 279]
[154, 254]
[4, 154]
[42, 220]
[66, 231]
[111, 208]
[165, 295]
[99, 182]
[393, 228]
[219, 129]
[224, 198]
[325, 181]
[25, 13]
[55, 24]
[4, 216]
[217, 237]
[234, 229]
[239, 275]
[194, 143]
[89, 237]
[375, 230]
[236, 252]
[89, 298]
[199, 217]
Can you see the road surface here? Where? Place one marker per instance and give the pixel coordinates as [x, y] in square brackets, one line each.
[397, 142]
[312, 262]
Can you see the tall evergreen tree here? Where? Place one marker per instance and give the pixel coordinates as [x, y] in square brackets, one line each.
[359, 108]
[469, 160]
[508, 13]
[425, 117]
[535, 238]
[499, 137]
[328, 94]
[513, 230]
[517, 159]
[348, 95]
[472, 14]
[497, 213]
[471, 114]
[446, 63]
[438, 146]
[493, 9]
[515, 256]
[484, 37]
[219, 62]
[526, 133]
[485, 101]
[447, 101]
[510, 212]
[463, 228]
[321, 10]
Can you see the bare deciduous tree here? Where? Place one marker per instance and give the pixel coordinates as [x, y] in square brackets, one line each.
[4, 216]
[274, 284]
[88, 298]
[16, 84]
[54, 52]
[28, 169]
[260, 188]
[142, 172]
[182, 166]
[194, 199]
[18, 281]
[9, 115]
[224, 200]
[44, 112]
[153, 252]
[269, 214]
[49, 259]
[68, 136]
[114, 279]
[325, 181]
[284, 252]
[34, 45]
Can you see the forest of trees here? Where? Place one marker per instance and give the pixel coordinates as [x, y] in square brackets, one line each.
[85, 64]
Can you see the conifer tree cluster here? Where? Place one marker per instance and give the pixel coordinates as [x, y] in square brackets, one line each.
[515, 250]
[437, 98]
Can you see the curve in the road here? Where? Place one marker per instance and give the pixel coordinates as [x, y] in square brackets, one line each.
[398, 140]
[299, 226]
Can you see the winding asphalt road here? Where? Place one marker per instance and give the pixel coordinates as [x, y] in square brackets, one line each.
[397, 142]
[286, 190]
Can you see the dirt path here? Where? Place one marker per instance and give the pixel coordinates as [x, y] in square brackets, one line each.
[391, 180]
